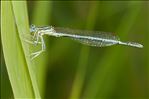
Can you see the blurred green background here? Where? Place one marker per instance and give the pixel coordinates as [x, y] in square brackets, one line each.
[70, 70]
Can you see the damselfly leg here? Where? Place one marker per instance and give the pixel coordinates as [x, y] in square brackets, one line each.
[35, 54]
[35, 39]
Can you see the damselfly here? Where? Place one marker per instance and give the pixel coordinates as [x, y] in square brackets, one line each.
[91, 38]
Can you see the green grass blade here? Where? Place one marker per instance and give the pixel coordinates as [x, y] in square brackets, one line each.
[21, 17]
[14, 55]
[6, 88]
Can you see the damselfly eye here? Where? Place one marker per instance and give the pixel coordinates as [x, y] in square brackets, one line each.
[32, 28]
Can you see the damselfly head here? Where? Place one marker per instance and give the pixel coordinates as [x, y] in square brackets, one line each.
[33, 28]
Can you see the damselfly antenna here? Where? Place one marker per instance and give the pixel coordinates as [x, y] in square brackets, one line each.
[91, 38]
